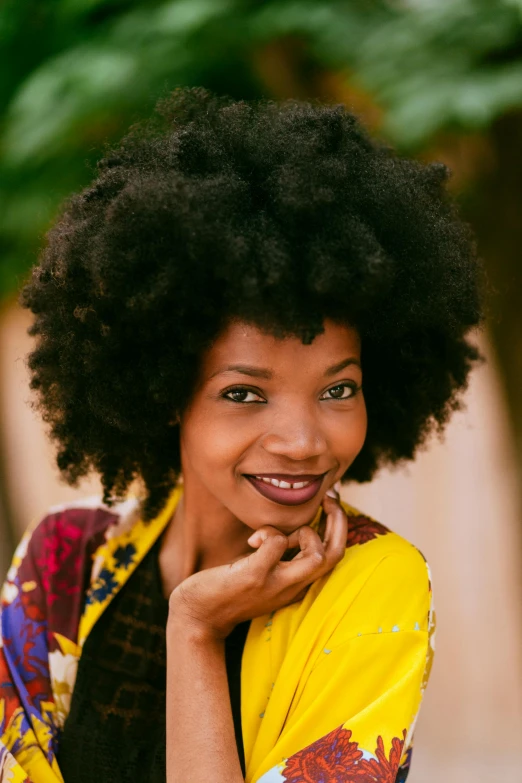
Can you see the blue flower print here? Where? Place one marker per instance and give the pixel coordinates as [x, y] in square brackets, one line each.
[104, 586]
[124, 555]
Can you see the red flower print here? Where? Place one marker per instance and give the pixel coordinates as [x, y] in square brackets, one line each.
[381, 769]
[334, 759]
[32, 609]
[59, 558]
[328, 760]
[362, 529]
[52, 576]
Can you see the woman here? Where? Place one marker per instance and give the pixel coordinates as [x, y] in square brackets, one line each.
[204, 314]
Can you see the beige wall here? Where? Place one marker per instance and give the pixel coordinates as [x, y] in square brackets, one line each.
[32, 477]
[457, 503]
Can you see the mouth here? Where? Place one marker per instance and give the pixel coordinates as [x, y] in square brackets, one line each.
[287, 490]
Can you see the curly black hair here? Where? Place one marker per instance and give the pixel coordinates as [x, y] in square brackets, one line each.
[281, 214]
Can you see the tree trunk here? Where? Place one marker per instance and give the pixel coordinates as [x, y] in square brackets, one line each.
[495, 211]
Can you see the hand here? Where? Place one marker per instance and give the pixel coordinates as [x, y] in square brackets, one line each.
[215, 600]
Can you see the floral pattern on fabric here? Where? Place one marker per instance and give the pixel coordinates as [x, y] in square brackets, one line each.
[10, 770]
[63, 667]
[328, 760]
[102, 588]
[42, 601]
[432, 626]
[64, 573]
[335, 758]
[362, 529]
[126, 542]
[383, 768]
[26, 706]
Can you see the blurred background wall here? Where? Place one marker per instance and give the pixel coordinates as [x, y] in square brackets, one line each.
[439, 79]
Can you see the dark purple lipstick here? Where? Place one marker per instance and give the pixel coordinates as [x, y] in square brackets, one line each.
[286, 489]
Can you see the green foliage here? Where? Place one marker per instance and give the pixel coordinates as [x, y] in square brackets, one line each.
[451, 64]
[78, 72]
[93, 69]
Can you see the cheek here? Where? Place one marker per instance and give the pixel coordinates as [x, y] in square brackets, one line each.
[361, 427]
[362, 424]
[348, 441]
[213, 442]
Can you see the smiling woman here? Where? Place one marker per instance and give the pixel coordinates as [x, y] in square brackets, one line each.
[265, 407]
[251, 303]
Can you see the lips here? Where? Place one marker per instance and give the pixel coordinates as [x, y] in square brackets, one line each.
[287, 496]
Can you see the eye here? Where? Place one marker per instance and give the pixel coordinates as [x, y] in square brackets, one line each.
[343, 391]
[241, 394]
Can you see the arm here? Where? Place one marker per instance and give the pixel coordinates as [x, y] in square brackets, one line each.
[199, 715]
[203, 610]
[26, 706]
[40, 610]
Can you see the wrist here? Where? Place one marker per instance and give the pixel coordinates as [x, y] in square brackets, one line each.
[181, 626]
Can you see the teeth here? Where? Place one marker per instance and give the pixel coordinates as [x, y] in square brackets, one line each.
[284, 484]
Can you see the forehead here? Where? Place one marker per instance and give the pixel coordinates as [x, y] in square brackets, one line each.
[242, 342]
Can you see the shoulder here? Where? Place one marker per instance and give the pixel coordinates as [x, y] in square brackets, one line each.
[369, 543]
[56, 548]
[52, 566]
[86, 517]
[83, 518]
[383, 579]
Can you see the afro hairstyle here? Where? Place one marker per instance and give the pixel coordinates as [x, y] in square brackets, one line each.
[280, 214]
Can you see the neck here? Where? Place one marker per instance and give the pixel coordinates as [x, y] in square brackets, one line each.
[201, 534]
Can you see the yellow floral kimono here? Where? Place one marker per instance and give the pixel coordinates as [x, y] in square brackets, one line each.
[330, 686]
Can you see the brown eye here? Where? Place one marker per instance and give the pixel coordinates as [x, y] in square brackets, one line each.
[343, 391]
[337, 391]
[241, 394]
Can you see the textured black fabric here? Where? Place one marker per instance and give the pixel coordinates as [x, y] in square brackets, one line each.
[115, 730]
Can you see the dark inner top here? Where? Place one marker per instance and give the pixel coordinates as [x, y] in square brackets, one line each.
[116, 726]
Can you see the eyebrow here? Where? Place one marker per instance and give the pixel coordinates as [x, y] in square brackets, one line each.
[261, 372]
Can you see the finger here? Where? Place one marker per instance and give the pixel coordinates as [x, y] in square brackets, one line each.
[261, 534]
[337, 531]
[304, 535]
[333, 547]
[269, 552]
[309, 563]
[328, 530]
[293, 537]
[331, 494]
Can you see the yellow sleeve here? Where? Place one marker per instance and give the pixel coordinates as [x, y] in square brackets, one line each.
[353, 717]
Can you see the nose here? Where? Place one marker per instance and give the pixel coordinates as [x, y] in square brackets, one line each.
[296, 434]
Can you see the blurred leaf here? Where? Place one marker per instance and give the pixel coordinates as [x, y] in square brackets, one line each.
[116, 68]
[77, 73]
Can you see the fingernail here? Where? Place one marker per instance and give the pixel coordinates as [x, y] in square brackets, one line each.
[337, 487]
[332, 493]
[257, 538]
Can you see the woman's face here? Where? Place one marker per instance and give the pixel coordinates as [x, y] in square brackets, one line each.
[268, 410]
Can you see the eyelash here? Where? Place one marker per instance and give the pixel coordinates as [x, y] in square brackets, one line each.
[352, 386]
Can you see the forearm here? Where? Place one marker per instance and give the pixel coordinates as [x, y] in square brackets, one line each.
[201, 743]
